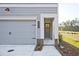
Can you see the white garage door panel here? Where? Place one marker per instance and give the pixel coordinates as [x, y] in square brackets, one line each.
[17, 32]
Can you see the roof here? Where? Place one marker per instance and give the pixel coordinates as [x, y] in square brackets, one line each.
[28, 5]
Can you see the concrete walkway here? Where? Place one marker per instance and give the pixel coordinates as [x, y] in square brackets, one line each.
[27, 50]
[48, 42]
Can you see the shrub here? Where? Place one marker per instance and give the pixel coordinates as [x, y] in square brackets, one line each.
[60, 38]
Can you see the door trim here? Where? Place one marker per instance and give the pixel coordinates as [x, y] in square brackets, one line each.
[42, 24]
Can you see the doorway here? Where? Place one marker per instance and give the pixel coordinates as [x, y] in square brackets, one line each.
[48, 28]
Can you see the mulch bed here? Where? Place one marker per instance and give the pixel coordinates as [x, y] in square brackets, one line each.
[68, 50]
[39, 45]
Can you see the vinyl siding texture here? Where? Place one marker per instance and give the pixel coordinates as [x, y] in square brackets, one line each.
[29, 11]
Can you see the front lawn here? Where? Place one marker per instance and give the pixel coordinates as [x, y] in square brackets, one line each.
[70, 41]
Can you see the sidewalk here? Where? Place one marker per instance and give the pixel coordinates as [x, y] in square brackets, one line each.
[27, 50]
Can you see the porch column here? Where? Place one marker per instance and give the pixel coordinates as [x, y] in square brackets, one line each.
[42, 27]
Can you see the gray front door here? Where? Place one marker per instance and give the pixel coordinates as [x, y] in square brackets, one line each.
[47, 30]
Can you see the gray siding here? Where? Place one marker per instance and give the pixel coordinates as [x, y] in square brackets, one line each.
[29, 11]
[23, 11]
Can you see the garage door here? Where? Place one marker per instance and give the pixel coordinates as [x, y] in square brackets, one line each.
[17, 32]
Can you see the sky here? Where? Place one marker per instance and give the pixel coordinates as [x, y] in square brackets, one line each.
[68, 11]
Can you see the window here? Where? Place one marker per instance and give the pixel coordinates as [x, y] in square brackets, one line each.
[38, 24]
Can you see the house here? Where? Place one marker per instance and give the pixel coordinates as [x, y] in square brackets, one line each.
[23, 24]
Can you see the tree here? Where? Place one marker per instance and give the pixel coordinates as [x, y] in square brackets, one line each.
[72, 25]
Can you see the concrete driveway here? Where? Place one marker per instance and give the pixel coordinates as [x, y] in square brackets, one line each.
[27, 50]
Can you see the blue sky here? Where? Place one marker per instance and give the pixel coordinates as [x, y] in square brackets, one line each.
[68, 11]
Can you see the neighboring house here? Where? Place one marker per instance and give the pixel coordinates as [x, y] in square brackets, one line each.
[23, 24]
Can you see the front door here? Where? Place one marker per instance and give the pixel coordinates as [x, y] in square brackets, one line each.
[47, 28]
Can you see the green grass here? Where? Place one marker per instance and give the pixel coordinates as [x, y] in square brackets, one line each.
[70, 41]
